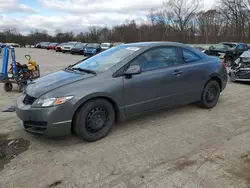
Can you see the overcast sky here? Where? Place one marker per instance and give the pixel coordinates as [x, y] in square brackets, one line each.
[76, 15]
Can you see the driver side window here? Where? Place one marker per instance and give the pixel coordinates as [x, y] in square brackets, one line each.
[158, 58]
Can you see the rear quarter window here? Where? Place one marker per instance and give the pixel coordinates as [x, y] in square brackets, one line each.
[190, 57]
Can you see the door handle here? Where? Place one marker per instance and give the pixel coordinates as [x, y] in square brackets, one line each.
[177, 72]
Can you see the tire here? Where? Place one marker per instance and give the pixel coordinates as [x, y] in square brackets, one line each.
[91, 114]
[21, 87]
[228, 61]
[63, 52]
[8, 86]
[207, 101]
[72, 53]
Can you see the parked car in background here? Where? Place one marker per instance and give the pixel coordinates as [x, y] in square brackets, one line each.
[39, 45]
[52, 45]
[15, 45]
[87, 98]
[78, 48]
[229, 51]
[58, 48]
[68, 46]
[44, 45]
[240, 69]
[2, 45]
[92, 49]
[118, 43]
[105, 46]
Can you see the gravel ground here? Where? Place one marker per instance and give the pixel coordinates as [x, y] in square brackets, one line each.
[185, 147]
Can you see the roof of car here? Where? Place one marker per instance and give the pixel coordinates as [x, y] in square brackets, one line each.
[155, 43]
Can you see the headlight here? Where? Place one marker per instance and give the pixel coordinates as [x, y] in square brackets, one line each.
[48, 102]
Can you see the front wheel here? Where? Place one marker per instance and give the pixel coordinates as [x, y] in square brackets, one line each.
[210, 94]
[21, 87]
[94, 120]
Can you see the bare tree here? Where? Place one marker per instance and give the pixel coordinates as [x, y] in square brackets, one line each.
[183, 11]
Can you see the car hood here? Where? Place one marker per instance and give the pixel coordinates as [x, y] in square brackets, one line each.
[67, 46]
[42, 85]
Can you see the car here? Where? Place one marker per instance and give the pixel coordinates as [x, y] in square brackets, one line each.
[229, 51]
[58, 48]
[88, 97]
[240, 70]
[68, 46]
[52, 46]
[78, 48]
[45, 44]
[105, 46]
[39, 45]
[92, 49]
[118, 43]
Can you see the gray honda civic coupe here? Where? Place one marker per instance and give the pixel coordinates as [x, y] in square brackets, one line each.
[89, 97]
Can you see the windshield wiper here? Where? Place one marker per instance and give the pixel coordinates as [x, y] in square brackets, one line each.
[68, 68]
[85, 70]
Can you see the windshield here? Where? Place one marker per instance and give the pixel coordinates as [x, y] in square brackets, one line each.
[92, 45]
[230, 45]
[107, 59]
[219, 46]
[71, 44]
[78, 45]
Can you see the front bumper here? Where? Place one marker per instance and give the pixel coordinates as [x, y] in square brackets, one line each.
[77, 51]
[51, 121]
[66, 49]
[89, 52]
[239, 76]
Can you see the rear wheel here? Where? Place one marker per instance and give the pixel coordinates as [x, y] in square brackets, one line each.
[210, 94]
[94, 120]
[7, 86]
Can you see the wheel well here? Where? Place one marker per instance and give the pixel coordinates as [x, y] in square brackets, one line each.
[106, 98]
[216, 79]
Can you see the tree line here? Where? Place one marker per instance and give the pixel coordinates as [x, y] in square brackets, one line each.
[179, 21]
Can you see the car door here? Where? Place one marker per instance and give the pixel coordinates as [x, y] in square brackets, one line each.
[160, 82]
[195, 76]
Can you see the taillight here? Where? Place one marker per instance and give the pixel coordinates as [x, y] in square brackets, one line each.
[224, 64]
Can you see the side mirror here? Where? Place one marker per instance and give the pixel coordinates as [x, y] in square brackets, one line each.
[133, 70]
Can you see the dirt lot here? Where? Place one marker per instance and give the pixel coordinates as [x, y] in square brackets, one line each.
[186, 147]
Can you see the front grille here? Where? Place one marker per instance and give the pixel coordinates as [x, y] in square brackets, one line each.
[37, 127]
[28, 100]
[243, 74]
